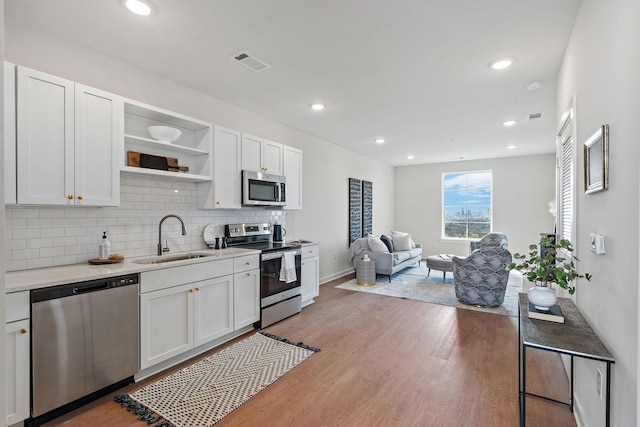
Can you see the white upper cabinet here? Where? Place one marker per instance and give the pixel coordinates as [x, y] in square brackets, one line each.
[188, 157]
[293, 173]
[68, 139]
[225, 190]
[99, 128]
[10, 196]
[272, 157]
[261, 155]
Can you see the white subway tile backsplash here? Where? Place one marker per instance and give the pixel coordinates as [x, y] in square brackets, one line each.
[40, 243]
[39, 263]
[52, 232]
[46, 236]
[17, 265]
[25, 233]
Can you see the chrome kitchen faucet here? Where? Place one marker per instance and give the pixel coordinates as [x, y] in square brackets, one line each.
[184, 232]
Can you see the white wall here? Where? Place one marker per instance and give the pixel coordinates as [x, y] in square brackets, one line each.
[520, 212]
[326, 166]
[601, 67]
[3, 397]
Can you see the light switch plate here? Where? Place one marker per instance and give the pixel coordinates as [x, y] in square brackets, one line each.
[597, 243]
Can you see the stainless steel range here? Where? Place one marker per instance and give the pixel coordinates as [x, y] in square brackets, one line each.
[280, 293]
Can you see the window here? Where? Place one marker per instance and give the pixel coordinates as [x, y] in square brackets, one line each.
[566, 177]
[467, 204]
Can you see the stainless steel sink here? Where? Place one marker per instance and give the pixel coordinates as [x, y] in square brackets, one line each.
[171, 258]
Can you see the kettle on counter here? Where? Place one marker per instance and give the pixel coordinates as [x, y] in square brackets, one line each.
[279, 232]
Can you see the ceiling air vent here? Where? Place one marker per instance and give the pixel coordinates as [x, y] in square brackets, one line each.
[250, 61]
[535, 116]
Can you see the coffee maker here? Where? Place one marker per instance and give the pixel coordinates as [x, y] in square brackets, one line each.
[279, 232]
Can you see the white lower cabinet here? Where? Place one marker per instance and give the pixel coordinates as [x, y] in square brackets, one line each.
[246, 296]
[246, 290]
[185, 307]
[310, 273]
[17, 339]
[180, 318]
[212, 304]
[166, 321]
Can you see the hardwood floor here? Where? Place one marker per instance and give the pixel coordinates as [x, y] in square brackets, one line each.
[389, 362]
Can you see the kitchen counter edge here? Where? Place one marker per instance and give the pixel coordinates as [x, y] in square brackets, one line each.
[26, 280]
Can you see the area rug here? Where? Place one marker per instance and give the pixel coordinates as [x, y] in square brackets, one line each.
[202, 394]
[412, 283]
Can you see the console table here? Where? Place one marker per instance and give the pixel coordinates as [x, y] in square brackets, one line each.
[574, 338]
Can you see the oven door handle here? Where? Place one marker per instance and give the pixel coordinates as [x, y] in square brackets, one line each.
[276, 255]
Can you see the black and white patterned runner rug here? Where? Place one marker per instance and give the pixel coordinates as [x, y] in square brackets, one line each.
[202, 394]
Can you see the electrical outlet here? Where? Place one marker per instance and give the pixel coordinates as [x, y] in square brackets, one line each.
[599, 382]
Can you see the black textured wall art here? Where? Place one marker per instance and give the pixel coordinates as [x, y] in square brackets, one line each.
[367, 208]
[355, 210]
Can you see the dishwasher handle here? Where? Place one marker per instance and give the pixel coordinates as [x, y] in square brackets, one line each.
[77, 290]
[73, 289]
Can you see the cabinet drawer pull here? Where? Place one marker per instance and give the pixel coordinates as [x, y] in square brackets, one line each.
[197, 289]
[70, 196]
[80, 197]
[217, 202]
[248, 263]
[191, 290]
[24, 330]
[248, 274]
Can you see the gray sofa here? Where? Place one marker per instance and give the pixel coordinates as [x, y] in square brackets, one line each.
[387, 263]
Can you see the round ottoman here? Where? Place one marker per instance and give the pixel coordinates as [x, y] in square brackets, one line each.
[440, 263]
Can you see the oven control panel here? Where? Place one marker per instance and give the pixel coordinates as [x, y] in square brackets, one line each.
[239, 230]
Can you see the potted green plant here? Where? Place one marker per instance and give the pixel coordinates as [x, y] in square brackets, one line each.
[547, 265]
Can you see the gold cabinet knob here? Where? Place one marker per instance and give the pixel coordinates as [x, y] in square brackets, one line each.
[248, 263]
[191, 290]
[24, 330]
[217, 202]
[248, 274]
[70, 196]
[197, 289]
[80, 197]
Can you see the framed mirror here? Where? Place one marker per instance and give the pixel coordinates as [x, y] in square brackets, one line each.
[596, 161]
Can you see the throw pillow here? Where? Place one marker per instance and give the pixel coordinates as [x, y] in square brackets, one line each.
[376, 245]
[402, 233]
[401, 243]
[387, 241]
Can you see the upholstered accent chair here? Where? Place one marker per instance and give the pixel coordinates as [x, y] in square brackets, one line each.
[490, 240]
[481, 278]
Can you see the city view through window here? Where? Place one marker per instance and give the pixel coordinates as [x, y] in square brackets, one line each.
[467, 204]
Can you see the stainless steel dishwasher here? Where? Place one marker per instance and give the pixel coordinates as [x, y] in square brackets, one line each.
[84, 339]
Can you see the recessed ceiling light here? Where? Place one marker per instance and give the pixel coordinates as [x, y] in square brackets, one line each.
[317, 106]
[380, 140]
[533, 85]
[509, 123]
[510, 147]
[138, 7]
[410, 157]
[501, 64]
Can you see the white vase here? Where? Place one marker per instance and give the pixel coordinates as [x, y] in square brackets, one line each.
[542, 297]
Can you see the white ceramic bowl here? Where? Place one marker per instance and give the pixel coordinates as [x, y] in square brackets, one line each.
[164, 133]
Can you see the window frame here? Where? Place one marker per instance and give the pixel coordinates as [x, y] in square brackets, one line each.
[566, 155]
[442, 205]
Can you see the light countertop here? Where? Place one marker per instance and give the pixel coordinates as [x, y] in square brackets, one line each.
[25, 280]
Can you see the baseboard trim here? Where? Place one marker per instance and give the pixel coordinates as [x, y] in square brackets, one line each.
[577, 411]
[337, 275]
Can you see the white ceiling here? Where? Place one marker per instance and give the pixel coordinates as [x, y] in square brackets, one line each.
[415, 72]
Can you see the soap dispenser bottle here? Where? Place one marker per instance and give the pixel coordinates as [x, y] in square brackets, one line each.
[104, 248]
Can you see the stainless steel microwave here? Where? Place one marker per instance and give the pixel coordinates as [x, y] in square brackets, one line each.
[263, 189]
